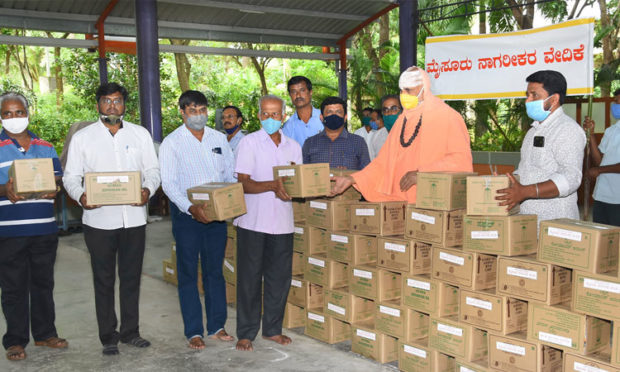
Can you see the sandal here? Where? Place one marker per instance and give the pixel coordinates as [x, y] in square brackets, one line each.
[138, 342]
[196, 343]
[222, 335]
[15, 353]
[53, 342]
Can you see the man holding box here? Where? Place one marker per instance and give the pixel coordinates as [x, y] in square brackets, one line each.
[114, 232]
[192, 155]
[551, 154]
[28, 238]
[265, 233]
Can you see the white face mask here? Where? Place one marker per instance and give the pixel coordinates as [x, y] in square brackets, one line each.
[15, 125]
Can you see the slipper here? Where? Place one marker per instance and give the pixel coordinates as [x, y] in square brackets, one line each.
[15, 353]
[222, 336]
[53, 342]
[138, 342]
[110, 349]
[196, 343]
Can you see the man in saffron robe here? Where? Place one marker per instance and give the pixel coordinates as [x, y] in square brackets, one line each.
[429, 136]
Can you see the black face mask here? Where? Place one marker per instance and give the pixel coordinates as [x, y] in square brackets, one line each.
[333, 122]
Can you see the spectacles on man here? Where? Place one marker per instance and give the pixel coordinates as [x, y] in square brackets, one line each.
[392, 109]
[109, 101]
[265, 115]
[230, 116]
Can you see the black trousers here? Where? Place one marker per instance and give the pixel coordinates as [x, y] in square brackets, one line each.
[606, 213]
[259, 256]
[105, 247]
[27, 284]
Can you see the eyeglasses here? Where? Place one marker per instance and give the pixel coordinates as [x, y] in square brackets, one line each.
[231, 116]
[108, 101]
[275, 115]
[393, 109]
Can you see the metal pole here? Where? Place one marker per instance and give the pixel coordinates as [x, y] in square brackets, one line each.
[408, 27]
[342, 72]
[147, 48]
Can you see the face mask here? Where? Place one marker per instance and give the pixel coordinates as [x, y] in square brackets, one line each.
[271, 125]
[373, 125]
[15, 125]
[408, 101]
[366, 120]
[615, 110]
[111, 119]
[333, 122]
[536, 109]
[389, 120]
[196, 122]
[231, 130]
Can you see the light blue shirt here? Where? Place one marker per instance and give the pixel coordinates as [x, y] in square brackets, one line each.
[234, 142]
[296, 129]
[186, 162]
[608, 184]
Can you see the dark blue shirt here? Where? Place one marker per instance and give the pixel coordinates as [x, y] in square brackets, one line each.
[28, 217]
[346, 151]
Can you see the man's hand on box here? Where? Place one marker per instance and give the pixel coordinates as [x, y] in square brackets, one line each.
[84, 204]
[198, 213]
[409, 179]
[341, 184]
[278, 188]
[145, 197]
[10, 192]
[513, 195]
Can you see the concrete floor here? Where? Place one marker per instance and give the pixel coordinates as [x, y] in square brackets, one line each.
[161, 323]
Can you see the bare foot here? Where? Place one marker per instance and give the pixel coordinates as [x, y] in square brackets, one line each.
[280, 339]
[196, 343]
[244, 345]
[222, 336]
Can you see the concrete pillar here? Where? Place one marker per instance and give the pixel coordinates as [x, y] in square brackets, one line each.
[147, 48]
[408, 27]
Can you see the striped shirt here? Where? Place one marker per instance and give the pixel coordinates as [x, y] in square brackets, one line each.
[27, 217]
[186, 162]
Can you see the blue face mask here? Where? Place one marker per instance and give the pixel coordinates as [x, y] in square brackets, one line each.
[366, 120]
[536, 109]
[615, 110]
[373, 125]
[231, 130]
[271, 125]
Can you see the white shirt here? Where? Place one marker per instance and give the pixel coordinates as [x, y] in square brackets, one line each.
[377, 141]
[367, 136]
[559, 160]
[94, 149]
[606, 189]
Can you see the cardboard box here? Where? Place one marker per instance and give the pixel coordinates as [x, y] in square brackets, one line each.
[328, 214]
[347, 307]
[400, 321]
[386, 218]
[615, 345]
[404, 255]
[305, 294]
[430, 296]
[366, 341]
[375, 284]
[478, 366]
[299, 264]
[304, 180]
[444, 228]
[596, 295]
[527, 279]
[113, 188]
[231, 230]
[579, 245]
[418, 357]
[299, 210]
[170, 272]
[578, 363]
[294, 316]
[470, 270]
[326, 328]
[173, 253]
[317, 240]
[300, 237]
[481, 193]
[489, 311]
[329, 273]
[460, 340]
[229, 272]
[340, 246]
[503, 235]
[560, 328]
[516, 354]
[220, 200]
[231, 293]
[364, 250]
[231, 248]
[441, 190]
[351, 193]
[33, 178]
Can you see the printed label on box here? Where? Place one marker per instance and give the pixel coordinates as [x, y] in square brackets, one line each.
[368, 335]
[110, 179]
[563, 233]
[336, 309]
[169, 271]
[555, 339]
[299, 230]
[296, 283]
[452, 258]
[340, 239]
[362, 273]
[419, 284]
[492, 234]
[449, 329]
[389, 311]
[364, 212]
[465, 369]
[229, 266]
[522, 273]
[580, 367]
[601, 285]
[318, 205]
[286, 172]
[317, 317]
[510, 348]
[479, 303]
[423, 218]
[395, 247]
[414, 351]
[316, 262]
[200, 196]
